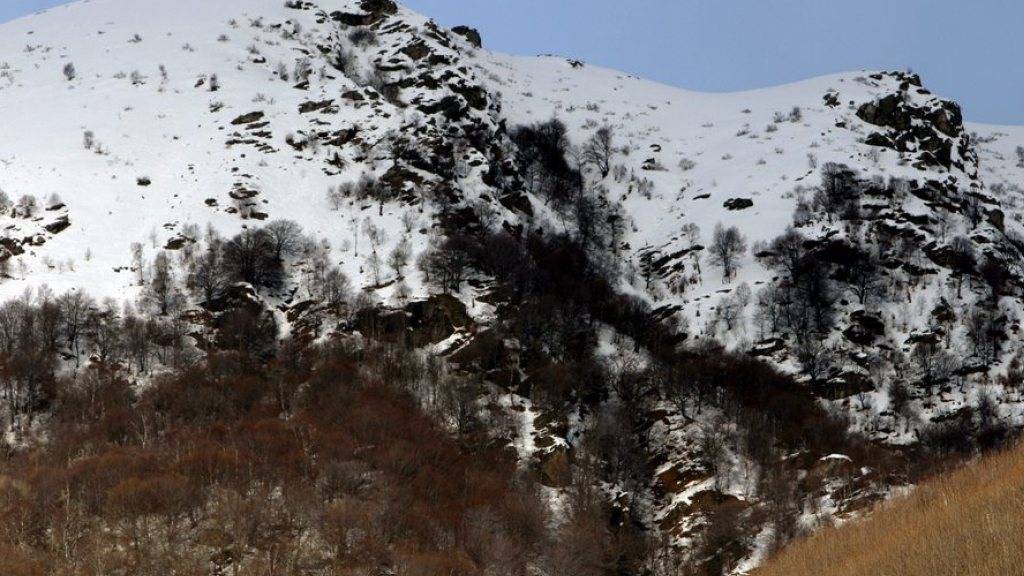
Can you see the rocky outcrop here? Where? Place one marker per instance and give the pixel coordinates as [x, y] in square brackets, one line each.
[417, 325]
[470, 34]
[372, 11]
[919, 124]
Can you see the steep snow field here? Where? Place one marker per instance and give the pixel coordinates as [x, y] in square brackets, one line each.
[162, 128]
[170, 128]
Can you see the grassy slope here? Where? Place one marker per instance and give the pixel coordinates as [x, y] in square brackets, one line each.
[964, 523]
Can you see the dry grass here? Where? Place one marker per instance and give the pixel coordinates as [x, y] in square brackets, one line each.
[968, 522]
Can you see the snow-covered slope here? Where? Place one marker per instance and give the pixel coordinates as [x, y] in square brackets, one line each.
[753, 160]
[142, 89]
[163, 90]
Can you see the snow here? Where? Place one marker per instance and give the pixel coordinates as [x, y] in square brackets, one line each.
[152, 130]
[734, 154]
[166, 131]
[723, 134]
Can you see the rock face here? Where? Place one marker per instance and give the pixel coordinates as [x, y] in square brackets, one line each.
[919, 123]
[373, 11]
[248, 118]
[419, 324]
[555, 468]
[470, 34]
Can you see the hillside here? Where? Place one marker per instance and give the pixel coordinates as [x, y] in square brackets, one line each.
[697, 325]
[965, 522]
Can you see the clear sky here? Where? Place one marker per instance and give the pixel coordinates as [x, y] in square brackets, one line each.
[968, 50]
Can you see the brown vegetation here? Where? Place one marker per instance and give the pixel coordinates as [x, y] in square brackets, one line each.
[220, 469]
[968, 522]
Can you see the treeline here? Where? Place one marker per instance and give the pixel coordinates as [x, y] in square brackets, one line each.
[43, 335]
[40, 335]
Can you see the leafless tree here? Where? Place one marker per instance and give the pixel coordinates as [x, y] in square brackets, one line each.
[727, 246]
[285, 236]
[599, 149]
[399, 257]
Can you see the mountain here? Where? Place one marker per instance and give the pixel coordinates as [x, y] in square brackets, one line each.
[736, 316]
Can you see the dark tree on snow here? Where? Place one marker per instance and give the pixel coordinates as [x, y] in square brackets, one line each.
[727, 246]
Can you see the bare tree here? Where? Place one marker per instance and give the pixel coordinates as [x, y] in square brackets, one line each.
[727, 246]
[374, 262]
[161, 283]
[74, 307]
[865, 278]
[251, 257]
[399, 257]
[598, 150]
[691, 232]
[286, 237]
[963, 260]
[444, 265]
[336, 287]
[208, 276]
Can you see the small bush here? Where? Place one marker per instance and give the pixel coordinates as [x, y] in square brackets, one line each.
[362, 36]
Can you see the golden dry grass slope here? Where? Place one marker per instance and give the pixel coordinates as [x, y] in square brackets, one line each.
[969, 522]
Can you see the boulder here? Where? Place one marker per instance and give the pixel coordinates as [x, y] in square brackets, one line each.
[240, 295]
[767, 347]
[416, 51]
[555, 468]
[418, 324]
[869, 322]
[847, 383]
[58, 225]
[738, 203]
[325, 105]
[248, 118]
[675, 479]
[997, 218]
[372, 12]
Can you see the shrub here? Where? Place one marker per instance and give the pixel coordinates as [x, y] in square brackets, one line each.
[362, 36]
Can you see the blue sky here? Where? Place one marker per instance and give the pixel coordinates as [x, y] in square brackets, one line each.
[968, 50]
